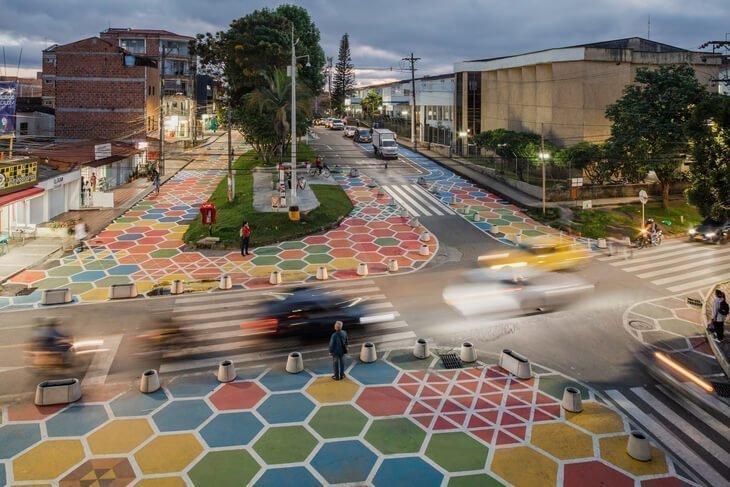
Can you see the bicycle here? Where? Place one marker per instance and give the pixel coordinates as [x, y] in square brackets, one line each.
[325, 173]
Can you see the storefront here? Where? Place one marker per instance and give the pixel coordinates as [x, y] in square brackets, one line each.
[62, 193]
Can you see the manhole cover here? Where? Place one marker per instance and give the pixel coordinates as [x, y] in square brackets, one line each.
[451, 361]
[640, 325]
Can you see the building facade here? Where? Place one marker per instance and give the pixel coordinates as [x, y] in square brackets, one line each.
[563, 92]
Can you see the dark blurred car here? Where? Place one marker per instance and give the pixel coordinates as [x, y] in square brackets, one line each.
[363, 135]
[711, 231]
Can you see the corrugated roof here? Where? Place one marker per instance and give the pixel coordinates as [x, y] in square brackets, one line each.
[81, 153]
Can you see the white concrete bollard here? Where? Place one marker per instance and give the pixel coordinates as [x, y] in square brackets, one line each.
[60, 391]
[477, 217]
[362, 269]
[226, 371]
[225, 282]
[177, 287]
[464, 210]
[515, 364]
[322, 273]
[518, 238]
[602, 243]
[275, 278]
[468, 353]
[638, 446]
[404, 213]
[425, 236]
[414, 222]
[391, 202]
[295, 363]
[56, 296]
[393, 265]
[150, 381]
[572, 400]
[421, 349]
[123, 291]
[368, 353]
[381, 192]
[424, 250]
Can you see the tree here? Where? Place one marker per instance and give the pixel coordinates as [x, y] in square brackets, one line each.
[371, 103]
[524, 146]
[343, 81]
[590, 159]
[649, 121]
[709, 134]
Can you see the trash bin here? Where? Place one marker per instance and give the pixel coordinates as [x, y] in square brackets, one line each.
[294, 213]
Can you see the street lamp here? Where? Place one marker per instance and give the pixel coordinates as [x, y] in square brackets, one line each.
[544, 156]
[294, 58]
[465, 135]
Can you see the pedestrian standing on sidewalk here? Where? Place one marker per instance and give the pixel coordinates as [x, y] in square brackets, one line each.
[720, 311]
[245, 234]
[338, 349]
[156, 179]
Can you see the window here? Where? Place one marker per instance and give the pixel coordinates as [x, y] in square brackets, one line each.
[23, 128]
[174, 48]
[175, 68]
[474, 103]
[135, 46]
[49, 81]
[49, 60]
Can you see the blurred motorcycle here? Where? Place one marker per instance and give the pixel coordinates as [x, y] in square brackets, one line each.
[49, 346]
[645, 239]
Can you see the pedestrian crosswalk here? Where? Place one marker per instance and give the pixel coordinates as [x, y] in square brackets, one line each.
[217, 327]
[695, 437]
[417, 200]
[677, 266]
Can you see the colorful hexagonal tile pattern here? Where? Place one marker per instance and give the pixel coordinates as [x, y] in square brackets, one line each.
[398, 423]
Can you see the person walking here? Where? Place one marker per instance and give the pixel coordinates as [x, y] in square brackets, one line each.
[720, 311]
[245, 234]
[338, 349]
[156, 180]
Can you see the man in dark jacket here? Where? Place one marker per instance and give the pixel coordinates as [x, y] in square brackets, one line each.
[338, 349]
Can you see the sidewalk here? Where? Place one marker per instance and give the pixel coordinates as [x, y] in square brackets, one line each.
[21, 257]
[397, 422]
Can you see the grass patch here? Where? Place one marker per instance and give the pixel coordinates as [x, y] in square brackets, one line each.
[267, 228]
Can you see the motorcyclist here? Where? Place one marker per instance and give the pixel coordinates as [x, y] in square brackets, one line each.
[651, 229]
[48, 338]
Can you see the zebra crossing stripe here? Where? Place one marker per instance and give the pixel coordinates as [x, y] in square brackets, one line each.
[433, 199]
[407, 201]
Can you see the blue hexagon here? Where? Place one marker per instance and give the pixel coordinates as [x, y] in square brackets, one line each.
[3, 477]
[231, 429]
[193, 385]
[407, 472]
[150, 217]
[123, 270]
[130, 236]
[276, 477]
[133, 403]
[279, 380]
[88, 276]
[374, 373]
[286, 408]
[332, 457]
[76, 420]
[170, 219]
[182, 415]
[14, 438]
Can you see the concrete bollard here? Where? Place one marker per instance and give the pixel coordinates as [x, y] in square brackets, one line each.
[354, 173]
[424, 250]
[226, 371]
[225, 282]
[572, 400]
[425, 236]
[381, 192]
[477, 217]
[516, 364]
[56, 296]
[518, 238]
[60, 391]
[368, 353]
[602, 243]
[413, 222]
[177, 287]
[421, 349]
[468, 353]
[464, 210]
[404, 213]
[275, 278]
[322, 273]
[391, 202]
[294, 364]
[393, 265]
[150, 381]
[638, 446]
[362, 269]
[123, 291]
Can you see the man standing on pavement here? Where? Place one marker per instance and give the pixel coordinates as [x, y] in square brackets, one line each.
[245, 238]
[720, 311]
[338, 349]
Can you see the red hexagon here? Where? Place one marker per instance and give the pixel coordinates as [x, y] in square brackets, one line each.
[362, 238]
[594, 473]
[370, 257]
[365, 247]
[383, 401]
[149, 240]
[391, 251]
[382, 232]
[237, 395]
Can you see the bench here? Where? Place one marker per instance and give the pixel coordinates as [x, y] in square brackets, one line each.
[208, 241]
[24, 231]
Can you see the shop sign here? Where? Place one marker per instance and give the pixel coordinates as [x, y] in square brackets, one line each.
[102, 151]
[7, 107]
[13, 176]
[58, 181]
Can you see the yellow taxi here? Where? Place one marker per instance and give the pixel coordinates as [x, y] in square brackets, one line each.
[547, 253]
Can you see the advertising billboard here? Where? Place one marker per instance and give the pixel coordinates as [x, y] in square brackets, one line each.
[15, 176]
[8, 90]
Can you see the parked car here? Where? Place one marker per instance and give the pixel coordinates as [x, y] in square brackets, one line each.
[337, 124]
[350, 131]
[711, 231]
[362, 135]
[328, 122]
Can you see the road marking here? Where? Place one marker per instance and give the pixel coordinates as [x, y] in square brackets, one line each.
[673, 269]
[700, 413]
[654, 253]
[407, 202]
[689, 275]
[443, 206]
[425, 199]
[696, 284]
[102, 361]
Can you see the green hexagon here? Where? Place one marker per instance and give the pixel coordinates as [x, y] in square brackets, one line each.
[532, 233]
[318, 249]
[80, 287]
[267, 250]
[395, 435]
[295, 245]
[292, 265]
[285, 444]
[339, 421]
[386, 241]
[164, 253]
[64, 271]
[100, 264]
[457, 452]
[319, 258]
[108, 281]
[126, 219]
[478, 480]
[266, 260]
[512, 218]
[224, 468]
[52, 283]
[497, 222]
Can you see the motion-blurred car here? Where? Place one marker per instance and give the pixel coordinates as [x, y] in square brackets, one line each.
[504, 292]
[350, 131]
[546, 253]
[711, 231]
[337, 124]
[328, 122]
[363, 135]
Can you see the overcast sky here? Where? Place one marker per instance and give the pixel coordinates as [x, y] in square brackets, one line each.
[382, 32]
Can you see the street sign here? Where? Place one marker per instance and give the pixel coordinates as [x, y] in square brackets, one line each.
[587, 204]
[643, 197]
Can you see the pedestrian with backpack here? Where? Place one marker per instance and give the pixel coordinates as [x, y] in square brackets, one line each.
[338, 349]
[720, 310]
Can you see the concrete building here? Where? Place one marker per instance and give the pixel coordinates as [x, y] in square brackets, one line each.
[563, 91]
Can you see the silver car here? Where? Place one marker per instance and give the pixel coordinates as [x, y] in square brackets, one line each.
[350, 131]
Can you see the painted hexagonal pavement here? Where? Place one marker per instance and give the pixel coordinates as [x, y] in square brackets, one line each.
[168, 453]
[340, 421]
[47, 460]
[119, 436]
[407, 471]
[457, 452]
[100, 471]
[231, 429]
[224, 468]
[344, 462]
[285, 444]
[237, 395]
[395, 435]
[285, 408]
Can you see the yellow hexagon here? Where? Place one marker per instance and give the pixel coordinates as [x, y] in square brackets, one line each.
[100, 294]
[562, 441]
[120, 226]
[168, 453]
[262, 270]
[119, 436]
[161, 482]
[613, 450]
[344, 264]
[325, 390]
[597, 419]
[163, 225]
[524, 466]
[294, 276]
[48, 460]
[145, 286]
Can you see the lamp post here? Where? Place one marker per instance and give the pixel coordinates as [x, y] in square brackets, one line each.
[544, 156]
[294, 114]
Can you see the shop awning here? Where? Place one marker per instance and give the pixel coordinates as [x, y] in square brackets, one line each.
[19, 195]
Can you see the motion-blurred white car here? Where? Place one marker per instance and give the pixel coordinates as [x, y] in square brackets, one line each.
[350, 131]
[505, 292]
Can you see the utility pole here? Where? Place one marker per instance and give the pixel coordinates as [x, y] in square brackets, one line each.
[329, 80]
[294, 117]
[231, 181]
[161, 157]
[542, 157]
[412, 60]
